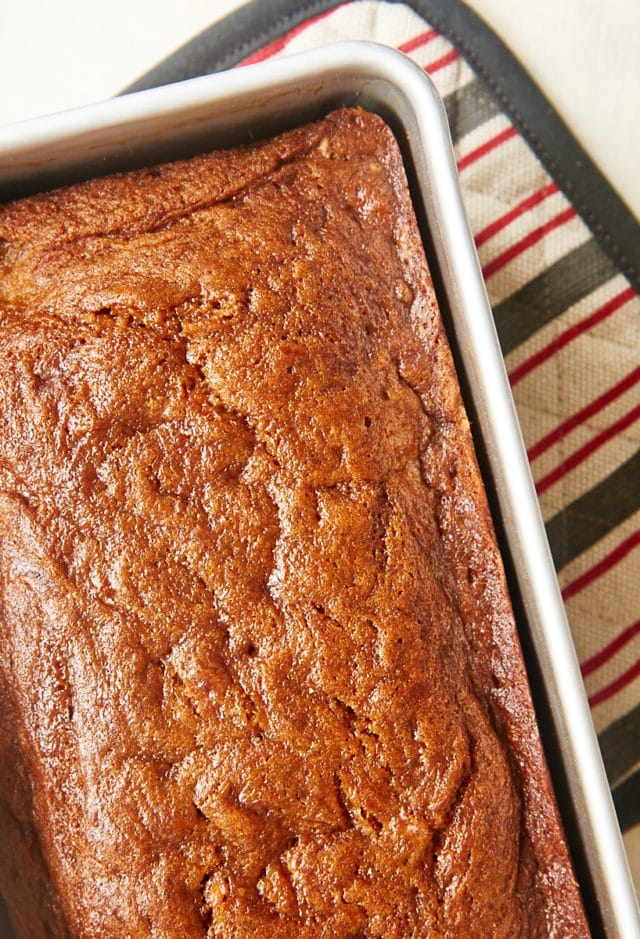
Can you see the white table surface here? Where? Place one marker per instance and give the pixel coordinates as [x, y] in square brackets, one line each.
[584, 54]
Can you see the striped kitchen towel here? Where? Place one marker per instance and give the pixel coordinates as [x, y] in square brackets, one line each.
[565, 298]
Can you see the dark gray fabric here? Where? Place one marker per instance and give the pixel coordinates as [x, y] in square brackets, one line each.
[626, 798]
[552, 292]
[588, 519]
[469, 108]
[620, 745]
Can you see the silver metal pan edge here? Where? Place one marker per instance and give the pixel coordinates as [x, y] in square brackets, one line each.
[253, 102]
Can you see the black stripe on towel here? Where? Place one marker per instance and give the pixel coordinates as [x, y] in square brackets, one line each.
[594, 514]
[620, 744]
[626, 798]
[468, 108]
[548, 295]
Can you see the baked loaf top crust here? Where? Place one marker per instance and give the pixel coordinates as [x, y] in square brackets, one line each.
[259, 672]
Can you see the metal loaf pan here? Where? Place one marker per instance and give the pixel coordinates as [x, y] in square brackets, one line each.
[257, 101]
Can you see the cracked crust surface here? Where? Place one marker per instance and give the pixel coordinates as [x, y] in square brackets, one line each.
[259, 671]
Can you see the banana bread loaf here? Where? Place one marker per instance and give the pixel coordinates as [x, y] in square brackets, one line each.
[259, 674]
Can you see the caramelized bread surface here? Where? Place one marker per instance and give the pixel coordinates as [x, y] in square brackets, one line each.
[259, 674]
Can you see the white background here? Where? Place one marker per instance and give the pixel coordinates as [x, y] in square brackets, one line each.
[585, 55]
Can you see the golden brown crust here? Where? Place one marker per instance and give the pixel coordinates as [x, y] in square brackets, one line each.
[256, 640]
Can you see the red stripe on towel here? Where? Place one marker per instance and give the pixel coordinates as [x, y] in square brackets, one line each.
[421, 40]
[587, 449]
[518, 373]
[615, 686]
[514, 250]
[486, 147]
[524, 206]
[608, 562]
[584, 414]
[443, 61]
[272, 48]
[596, 661]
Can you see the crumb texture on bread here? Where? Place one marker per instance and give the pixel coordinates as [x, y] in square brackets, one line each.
[259, 672]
